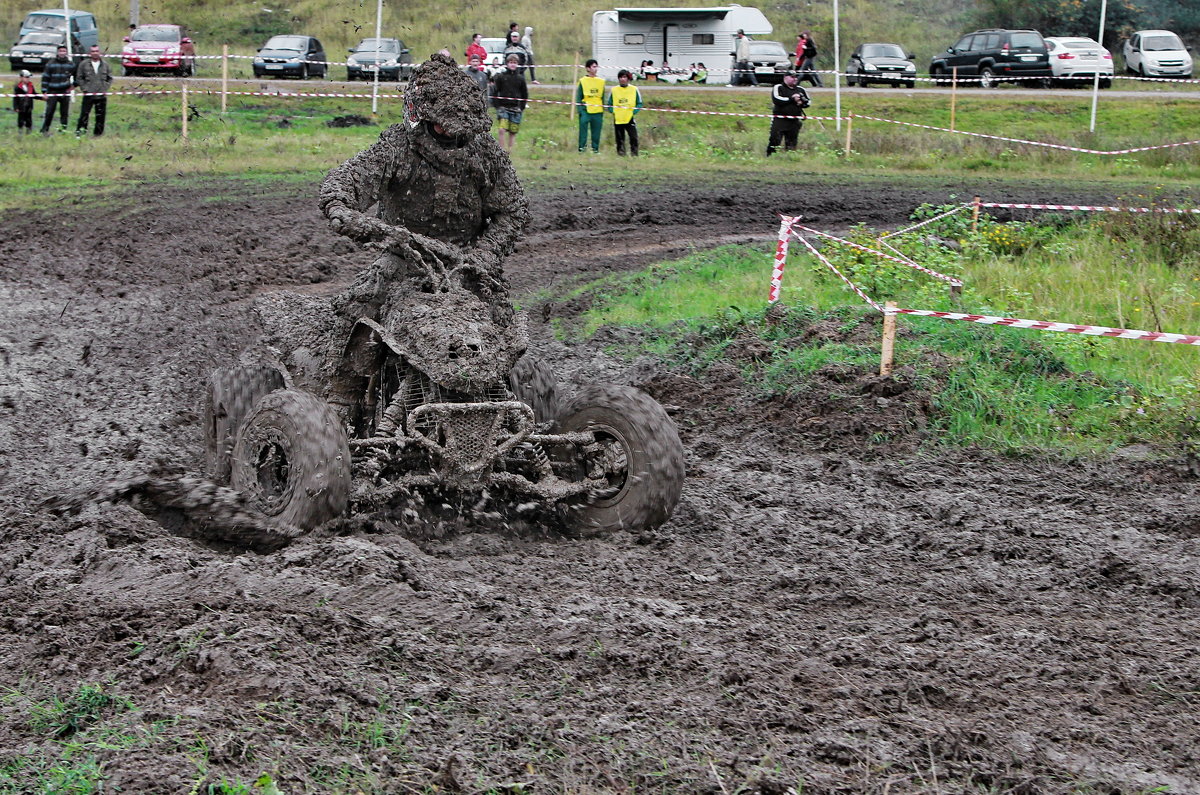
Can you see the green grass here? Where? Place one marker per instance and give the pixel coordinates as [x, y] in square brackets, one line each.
[287, 138]
[1004, 388]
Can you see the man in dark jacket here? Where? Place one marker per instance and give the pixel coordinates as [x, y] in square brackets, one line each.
[93, 77]
[788, 101]
[57, 81]
[510, 95]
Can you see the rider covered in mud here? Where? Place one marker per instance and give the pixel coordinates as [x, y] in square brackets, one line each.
[444, 189]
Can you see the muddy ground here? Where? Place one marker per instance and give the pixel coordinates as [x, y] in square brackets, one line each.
[820, 614]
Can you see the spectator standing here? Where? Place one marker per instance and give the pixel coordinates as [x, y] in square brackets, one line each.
[93, 77]
[589, 101]
[742, 70]
[476, 48]
[524, 56]
[788, 101]
[23, 101]
[479, 75]
[527, 39]
[806, 59]
[626, 101]
[510, 94]
[57, 81]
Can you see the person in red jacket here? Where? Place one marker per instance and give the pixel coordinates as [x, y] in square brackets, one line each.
[477, 48]
[23, 94]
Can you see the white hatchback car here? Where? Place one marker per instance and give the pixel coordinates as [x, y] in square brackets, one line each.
[1076, 60]
[1157, 53]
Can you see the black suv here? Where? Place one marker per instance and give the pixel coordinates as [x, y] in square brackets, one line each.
[994, 55]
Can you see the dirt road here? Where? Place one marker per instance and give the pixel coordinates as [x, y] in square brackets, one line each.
[820, 613]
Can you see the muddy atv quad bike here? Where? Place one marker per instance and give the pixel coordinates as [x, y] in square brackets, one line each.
[434, 394]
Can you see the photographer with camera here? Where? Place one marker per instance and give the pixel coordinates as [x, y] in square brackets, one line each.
[788, 101]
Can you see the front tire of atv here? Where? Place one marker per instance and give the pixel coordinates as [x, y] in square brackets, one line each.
[232, 393]
[641, 451]
[292, 460]
[533, 383]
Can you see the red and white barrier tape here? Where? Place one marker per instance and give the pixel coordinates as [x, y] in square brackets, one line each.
[781, 250]
[1093, 208]
[926, 222]
[1028, 142]
[901, 259]
[787, 229]
[1046, 325]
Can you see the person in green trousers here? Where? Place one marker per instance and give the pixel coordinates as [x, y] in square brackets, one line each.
[589, 101]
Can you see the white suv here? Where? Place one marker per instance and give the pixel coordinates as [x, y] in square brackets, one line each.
[1157, 53]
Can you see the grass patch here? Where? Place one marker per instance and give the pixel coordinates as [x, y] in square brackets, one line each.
[1004, 388]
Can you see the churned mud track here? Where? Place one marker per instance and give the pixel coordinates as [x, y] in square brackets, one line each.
[819, 611]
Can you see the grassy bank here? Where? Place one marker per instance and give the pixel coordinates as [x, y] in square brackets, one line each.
[288, 136]
[1005, 388]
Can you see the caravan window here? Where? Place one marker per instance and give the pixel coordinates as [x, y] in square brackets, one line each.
[702, 38]
[635, 38]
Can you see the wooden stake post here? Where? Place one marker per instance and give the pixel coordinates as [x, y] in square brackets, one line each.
[574, 81]
[849, 127]
[975, 216]
[224, 77]
[185, 111]
[887, 351]
[953, 94]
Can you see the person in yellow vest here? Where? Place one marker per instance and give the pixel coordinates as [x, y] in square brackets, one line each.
[589, 101]
[625, 101]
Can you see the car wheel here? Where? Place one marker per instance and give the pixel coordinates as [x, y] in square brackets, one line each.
[911, 84]
[849, 80]
[939, 76]
[1105, 82]
[304, 71]
[987, 78]
[126, 71]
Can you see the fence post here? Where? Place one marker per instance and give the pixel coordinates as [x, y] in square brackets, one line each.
[888, 348]
[953, 94]
[849, 127]
[975, 215]
[184, 110]
[224, 77]
[574, 80]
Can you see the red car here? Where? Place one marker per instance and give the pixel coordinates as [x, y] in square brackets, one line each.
[158, 48]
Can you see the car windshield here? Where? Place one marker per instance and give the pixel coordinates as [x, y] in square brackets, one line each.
[155, 34]
[882, 51]
[296, 43]
[385, 45]
[45, 22]
[767, 48]
[42, 37]
[1161, 43]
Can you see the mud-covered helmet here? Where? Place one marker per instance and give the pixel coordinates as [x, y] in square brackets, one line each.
[446, 102]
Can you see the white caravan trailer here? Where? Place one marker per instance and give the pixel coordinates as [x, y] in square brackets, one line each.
[624, 37]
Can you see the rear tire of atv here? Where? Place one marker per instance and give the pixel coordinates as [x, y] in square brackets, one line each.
[232, 393]
[292, 460]
[533, 383]
[635, 432]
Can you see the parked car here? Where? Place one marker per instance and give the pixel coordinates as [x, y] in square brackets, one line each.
[34, 50]
[880, 63]
[1157, 53]
[158, 48]
[770, 60]
[495, 57]
[1075, 61]
[83, 25]
[393, 58]
[295, 56]
[994, 55]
